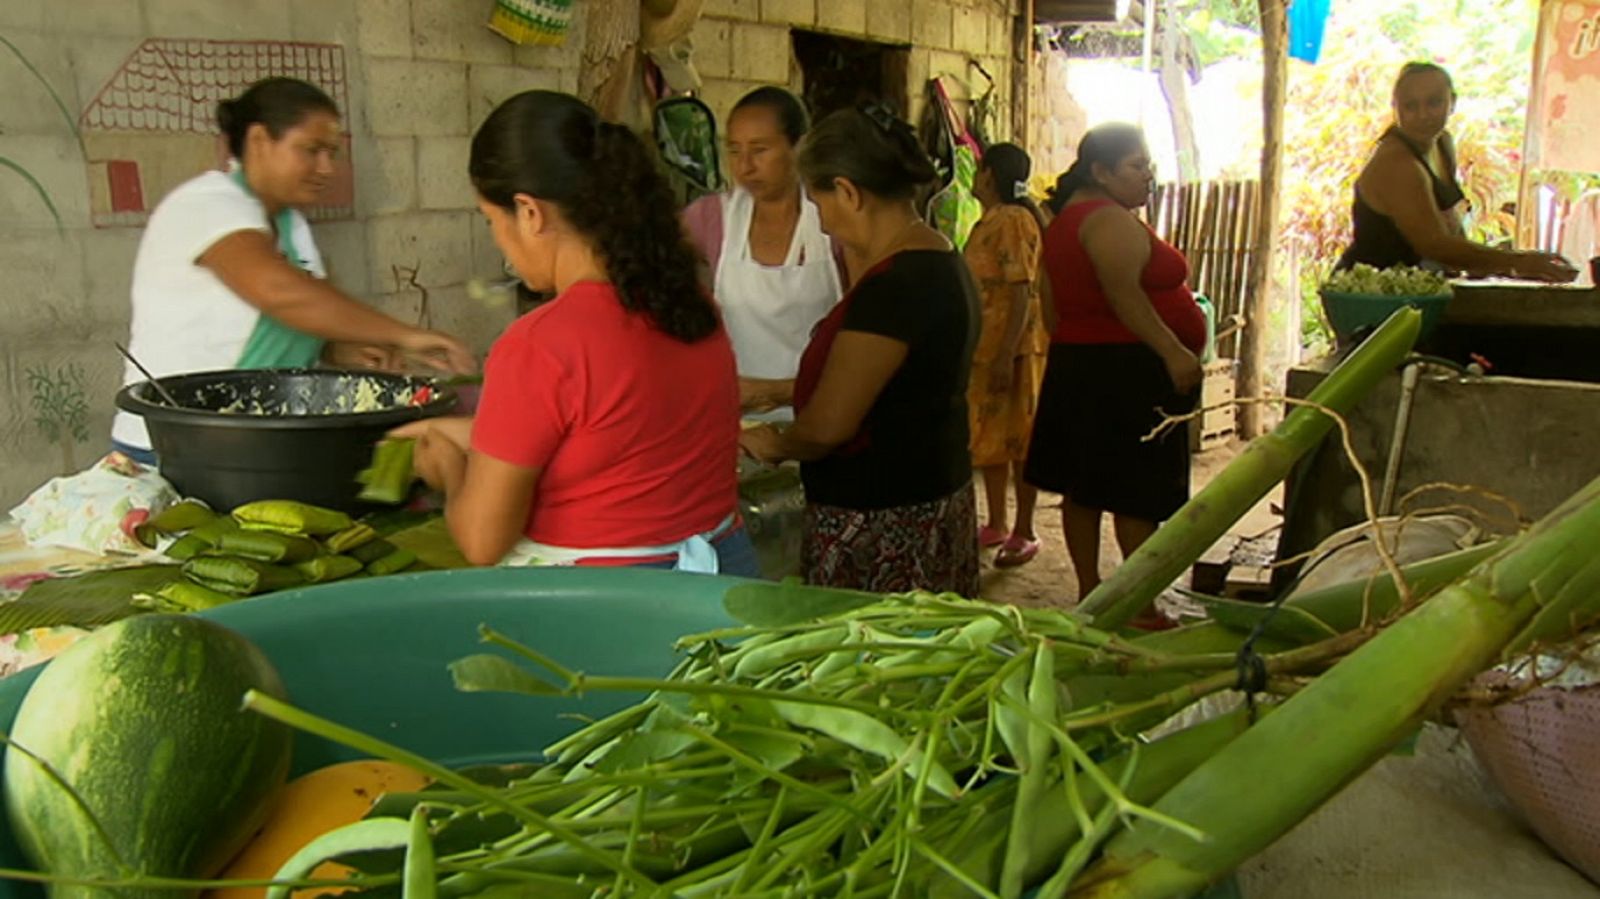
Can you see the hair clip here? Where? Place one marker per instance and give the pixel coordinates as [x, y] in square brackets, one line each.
[1019, 190]
[880, 115]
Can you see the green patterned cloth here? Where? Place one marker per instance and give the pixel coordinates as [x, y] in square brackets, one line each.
[954, 211]
[532, 21]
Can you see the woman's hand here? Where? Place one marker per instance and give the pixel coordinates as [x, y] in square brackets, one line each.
[360, 356]
[439, 462]
[1183, 367]
[440, 351]
[1548, 267]
[765, 394]
[763, 444]
[455, 428]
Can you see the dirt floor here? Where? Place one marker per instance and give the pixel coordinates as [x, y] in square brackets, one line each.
[1048, 580]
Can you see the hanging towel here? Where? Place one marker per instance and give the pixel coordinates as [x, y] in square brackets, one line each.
[1307, 20]
[532, 21]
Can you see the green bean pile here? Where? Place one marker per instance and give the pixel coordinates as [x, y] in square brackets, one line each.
[911, 745]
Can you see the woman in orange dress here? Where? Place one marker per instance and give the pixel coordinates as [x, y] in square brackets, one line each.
[1003, 253]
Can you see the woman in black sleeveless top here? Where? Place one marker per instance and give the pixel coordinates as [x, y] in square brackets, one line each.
[1406, 199]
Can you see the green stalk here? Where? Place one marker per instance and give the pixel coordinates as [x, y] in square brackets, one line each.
[1339, 608]
[1057, 828]
[1377, 695]
[1265, 462]
[269, 707]
[1350, 605]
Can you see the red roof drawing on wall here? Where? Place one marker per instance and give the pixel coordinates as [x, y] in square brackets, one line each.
[173, 86]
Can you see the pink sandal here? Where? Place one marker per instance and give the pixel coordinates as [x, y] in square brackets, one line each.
[990, 537]
[1016, 551]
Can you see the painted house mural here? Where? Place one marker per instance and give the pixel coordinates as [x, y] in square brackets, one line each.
[153, 125]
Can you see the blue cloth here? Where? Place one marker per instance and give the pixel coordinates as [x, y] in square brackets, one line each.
[1307, 21]
[141, 456]
[736, 556]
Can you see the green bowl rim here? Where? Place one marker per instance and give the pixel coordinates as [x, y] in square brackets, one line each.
[1403, 297]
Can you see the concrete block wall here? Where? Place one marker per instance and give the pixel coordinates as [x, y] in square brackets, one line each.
[743, 44]
[1058, 122]
[423, 74]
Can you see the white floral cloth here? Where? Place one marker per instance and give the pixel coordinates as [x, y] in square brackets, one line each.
[95, 510]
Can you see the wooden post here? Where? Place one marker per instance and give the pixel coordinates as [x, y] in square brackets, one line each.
[1253, 343]
[1022, 76]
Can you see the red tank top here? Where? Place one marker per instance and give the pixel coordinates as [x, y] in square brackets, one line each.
[1084, 315]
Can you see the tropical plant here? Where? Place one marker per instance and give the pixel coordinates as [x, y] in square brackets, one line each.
[66, 115]
[60, 408]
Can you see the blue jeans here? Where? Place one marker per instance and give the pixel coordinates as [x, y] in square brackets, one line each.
[141, 456]
[736, 556]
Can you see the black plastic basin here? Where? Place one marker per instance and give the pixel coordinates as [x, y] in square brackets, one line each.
[286, 434]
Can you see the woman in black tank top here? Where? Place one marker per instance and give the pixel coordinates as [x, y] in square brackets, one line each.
[1406, 199]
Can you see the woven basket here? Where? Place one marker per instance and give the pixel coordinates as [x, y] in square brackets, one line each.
[1543, 751]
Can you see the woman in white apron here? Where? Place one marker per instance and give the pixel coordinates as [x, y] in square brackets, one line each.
[771, 269]
[227, 275]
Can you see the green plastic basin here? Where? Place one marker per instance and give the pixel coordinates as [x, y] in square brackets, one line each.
[371, 654]
[1350, 314]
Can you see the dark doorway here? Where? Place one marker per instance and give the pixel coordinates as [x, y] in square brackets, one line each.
[839, 72]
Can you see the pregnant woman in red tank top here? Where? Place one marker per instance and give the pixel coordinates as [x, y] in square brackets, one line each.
[1123, 352]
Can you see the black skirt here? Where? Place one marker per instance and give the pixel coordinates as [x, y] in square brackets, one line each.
[1096, 405]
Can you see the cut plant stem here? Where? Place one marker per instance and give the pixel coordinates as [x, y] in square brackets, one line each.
[1266, 461]
[1377, 695]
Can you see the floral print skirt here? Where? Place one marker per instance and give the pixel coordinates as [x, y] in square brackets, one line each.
[927, 546]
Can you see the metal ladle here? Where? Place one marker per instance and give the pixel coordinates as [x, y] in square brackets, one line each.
[148, 376]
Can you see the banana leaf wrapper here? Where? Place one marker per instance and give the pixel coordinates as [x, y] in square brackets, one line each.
[85, 600]
[184, 516]
[371, 551]
[266, 546]
[323, 569]
[182, 596]
[212, 531]
[285, 516]
[351, 537]
[240, 577]
[388, 479]
[393, 563]
[187, 547]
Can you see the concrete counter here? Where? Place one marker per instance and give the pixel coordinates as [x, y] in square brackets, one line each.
[1534, 441]
[1522, 304]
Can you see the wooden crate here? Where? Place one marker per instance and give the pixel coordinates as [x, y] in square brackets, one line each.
[1215, 426]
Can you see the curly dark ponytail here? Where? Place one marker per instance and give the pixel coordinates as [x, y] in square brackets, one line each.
[628, 208]
[605, 182]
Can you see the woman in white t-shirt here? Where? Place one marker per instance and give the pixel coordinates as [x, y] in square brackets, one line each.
[228, 276]
[773, 272]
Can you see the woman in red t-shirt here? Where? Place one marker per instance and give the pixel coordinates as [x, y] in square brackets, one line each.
[1124, 348]
[608, 428]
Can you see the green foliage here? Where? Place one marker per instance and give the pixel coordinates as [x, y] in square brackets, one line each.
[1223, 29]
[1399, 281]
[60, 406]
